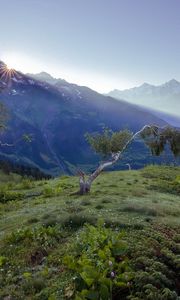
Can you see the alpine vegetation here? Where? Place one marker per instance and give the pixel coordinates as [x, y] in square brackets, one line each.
[113, 144]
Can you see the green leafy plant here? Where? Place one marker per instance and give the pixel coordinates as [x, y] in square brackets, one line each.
[154, 257]
[100, 264]
[45, 236]
[27, 183]
[48, 192]
[2, 260]
[6, 195]
[108, 141]
[75, 221]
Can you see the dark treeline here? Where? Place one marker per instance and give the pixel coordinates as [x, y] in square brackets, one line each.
[7, 167]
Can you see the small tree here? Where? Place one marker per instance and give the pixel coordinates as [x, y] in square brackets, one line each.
[111, 146]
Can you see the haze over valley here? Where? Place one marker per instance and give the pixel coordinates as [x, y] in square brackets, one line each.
[58, 114]
[164, 97]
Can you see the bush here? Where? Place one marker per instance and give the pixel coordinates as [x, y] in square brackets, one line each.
[155, 260]
[32, 220]
[50, 221]
[75, 221]
[99, 206]
[27, 183]
[32, 284]
[48, 192]
[44, 236]
[6, 196]
[100, 264]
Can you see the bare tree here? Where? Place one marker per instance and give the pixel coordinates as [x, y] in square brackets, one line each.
[113, 144]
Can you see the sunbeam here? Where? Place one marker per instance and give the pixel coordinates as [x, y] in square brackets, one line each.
[6, 72]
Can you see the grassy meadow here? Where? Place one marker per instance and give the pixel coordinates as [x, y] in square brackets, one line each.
[121, 241]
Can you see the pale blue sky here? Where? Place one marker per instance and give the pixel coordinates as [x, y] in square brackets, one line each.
[103, 44]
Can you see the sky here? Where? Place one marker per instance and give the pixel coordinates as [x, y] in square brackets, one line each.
[103, 44]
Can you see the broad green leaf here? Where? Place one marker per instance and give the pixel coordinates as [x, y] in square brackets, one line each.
[105, 281]
[104, 292]
[121, 284]
[87, 278]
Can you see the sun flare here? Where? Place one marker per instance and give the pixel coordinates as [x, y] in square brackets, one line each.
[21, 62]
[12, 61]
[7, 73]
[9, 67]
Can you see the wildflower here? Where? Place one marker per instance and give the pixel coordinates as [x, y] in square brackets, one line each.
[110, 263]
[128, 284]
[112, 274]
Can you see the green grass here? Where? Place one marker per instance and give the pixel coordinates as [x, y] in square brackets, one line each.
[38, 229]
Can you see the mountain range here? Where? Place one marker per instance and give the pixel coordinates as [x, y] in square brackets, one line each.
[164, 98]
[58, 114]
[136, 96]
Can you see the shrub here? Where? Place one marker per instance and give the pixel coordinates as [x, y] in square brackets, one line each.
[106, 201]
[119, 225]
[99, 206]
[100, 264]
[50, 221]
[44, 236]
[155, 261]
[10, 196]
[33, 284]
[48, 192]
[32, 220]
[74, 208]
[3, 260]
[76, 221]
[27, 183]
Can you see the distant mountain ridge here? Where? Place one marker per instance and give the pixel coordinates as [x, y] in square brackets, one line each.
[44, 76]
[165, 97]
[58, 116]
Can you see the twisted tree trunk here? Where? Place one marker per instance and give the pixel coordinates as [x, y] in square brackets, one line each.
[85, 184]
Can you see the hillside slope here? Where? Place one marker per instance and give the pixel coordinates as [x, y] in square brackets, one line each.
[42, 222]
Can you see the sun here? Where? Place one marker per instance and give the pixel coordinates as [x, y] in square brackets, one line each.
[21, 62]
[7, 72]
[10, 61]
[9, 67]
